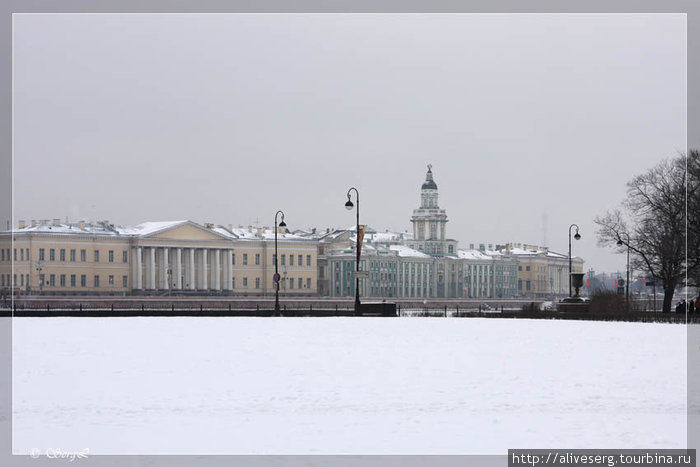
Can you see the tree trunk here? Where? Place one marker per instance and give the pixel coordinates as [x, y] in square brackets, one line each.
[668, 297]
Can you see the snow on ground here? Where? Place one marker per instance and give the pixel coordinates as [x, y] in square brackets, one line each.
[345, 385]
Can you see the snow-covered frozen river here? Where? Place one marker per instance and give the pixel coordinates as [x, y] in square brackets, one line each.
[345, 385]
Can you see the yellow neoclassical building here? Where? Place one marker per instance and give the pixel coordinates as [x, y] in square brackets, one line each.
[51, 257]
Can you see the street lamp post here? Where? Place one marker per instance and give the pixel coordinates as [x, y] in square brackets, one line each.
[276, 277]
[577, 236]
[349, 206]
[627, 284]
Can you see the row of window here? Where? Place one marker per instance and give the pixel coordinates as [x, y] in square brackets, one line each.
[83, 255]
[285, 283]
[24, 255]
[283, 259]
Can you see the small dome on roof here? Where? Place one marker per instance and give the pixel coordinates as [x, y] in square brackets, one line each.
[429, 182]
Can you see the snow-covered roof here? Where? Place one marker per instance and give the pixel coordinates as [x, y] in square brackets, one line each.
[405, 251]
[98, 228]
[473, 254]
[147, 228]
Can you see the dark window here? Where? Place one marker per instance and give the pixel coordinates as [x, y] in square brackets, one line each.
[125, 257]
[62, 254]
[111, 256]
[97, 280]
[83, 255]
[245, 263]
[83, 280]
[41, 254]
[97, 256]
[72, 255]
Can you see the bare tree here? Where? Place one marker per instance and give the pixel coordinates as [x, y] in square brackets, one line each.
[652, 223]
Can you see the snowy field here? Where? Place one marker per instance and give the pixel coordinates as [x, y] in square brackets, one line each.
[345, 385]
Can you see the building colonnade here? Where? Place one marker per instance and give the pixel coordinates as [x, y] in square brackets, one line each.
[182, 268]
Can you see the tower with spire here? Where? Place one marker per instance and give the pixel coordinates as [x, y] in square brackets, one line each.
[430, 222]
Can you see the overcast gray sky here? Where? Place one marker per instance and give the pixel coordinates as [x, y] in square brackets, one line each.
[531, 122]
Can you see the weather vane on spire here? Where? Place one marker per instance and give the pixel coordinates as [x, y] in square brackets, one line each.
[430, 166]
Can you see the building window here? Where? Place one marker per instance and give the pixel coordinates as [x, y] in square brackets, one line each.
[72, 256]
[83, 256]
[83, 280]
[14, 280]
[308, 260]
[62, 254]
[291, 282]
[233, 283]
[2, 276]
[125, 281]
[110, 280]
[282, 260]
[111, 256]
[27, 255]
[72, 280]
[291, 260]
[233, 258]
[245, 282]
[308, 282]
[97, 280]
[299, 286]
[52, 280]
[274, 259]
[527, 285]
[63, 280]
[527, 268]
[21, 280]
[257, 282]
[15, 253]
[520, 268]
[257, 258]
[21, 254]
[299, 263]
[41, 254]
[245, 263]
[125, 257]
[2, 258]
[97, 256]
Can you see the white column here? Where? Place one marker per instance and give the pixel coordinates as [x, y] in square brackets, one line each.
[190, 261]
[150, 268]
[162, 268]
[137, 278]
[228, 276]
[202, 269]
[177, 269]
[215, 270]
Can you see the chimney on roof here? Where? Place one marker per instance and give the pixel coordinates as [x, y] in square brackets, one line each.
[313, 230]
[209, 225]
[33, 222]
[56, 222]
[22, 224]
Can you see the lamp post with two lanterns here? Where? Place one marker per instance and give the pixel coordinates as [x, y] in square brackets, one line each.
[276, 277]
[349, 205]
